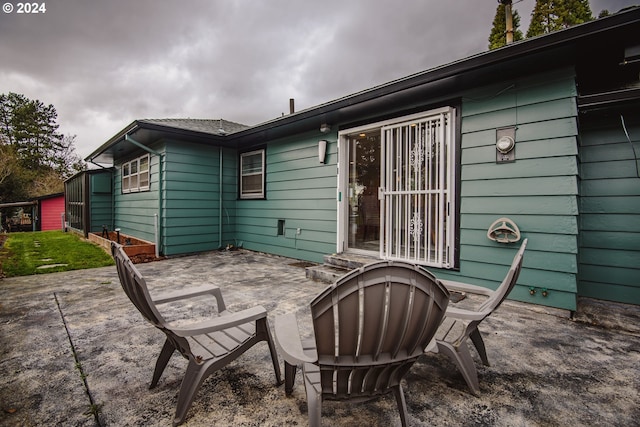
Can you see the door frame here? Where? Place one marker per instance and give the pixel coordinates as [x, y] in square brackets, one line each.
[342, 240]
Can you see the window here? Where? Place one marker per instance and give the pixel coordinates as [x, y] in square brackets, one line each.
[252, 175]
[143, 173]
[125, 178]
[135, 175]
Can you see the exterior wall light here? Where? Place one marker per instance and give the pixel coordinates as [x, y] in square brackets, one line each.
[322, 150]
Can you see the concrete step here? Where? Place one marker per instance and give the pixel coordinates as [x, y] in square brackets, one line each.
[336, 266]
[325, 273]
[349, 261]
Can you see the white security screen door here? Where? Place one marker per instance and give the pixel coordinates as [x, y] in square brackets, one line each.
[418, 221]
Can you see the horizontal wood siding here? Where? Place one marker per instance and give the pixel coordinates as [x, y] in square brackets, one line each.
[538, 191]
[299, 190]
[100, 201]
[190, 220]
[188, 205]
[229, 197]
[609, 262]
[134, 212]
[101, 208]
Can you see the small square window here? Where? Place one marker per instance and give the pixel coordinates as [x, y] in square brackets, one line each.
[135, 175]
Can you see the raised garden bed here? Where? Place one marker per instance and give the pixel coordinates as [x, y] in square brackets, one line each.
[132, 246]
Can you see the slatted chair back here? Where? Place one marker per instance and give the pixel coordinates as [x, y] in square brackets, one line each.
[372, 325]
[208, 345]
[135, 286]
[462, 324]
[507, 284]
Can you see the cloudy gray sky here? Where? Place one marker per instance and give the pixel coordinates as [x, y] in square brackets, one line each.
[105, 63]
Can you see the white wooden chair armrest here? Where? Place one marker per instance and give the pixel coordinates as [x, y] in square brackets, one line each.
[191, 293]
[219, 323]
[287, 338]
[465, 287]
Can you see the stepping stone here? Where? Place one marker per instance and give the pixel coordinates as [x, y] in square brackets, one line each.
[42, 267]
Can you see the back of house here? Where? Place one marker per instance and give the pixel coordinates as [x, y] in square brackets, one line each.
[542, 133]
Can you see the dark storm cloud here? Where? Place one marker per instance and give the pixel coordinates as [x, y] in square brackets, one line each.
[103, 64]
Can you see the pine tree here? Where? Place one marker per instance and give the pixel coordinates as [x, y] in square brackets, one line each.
[30, 127]
[541, 18]
[34, 156]
[573, 12]
[553, 15]
[498, 36]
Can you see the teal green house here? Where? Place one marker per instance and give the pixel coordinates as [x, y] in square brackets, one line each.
[544, 132]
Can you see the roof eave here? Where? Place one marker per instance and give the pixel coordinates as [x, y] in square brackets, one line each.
[98, 156]
[131, 128]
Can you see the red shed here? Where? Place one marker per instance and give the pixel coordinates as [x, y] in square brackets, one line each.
[50, 211]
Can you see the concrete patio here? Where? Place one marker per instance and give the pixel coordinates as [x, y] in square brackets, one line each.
[75, 352]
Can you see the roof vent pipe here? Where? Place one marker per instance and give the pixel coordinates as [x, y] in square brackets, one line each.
[292, 105]
[221, 130]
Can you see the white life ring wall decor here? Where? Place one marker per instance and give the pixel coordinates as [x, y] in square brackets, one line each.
[503, 230]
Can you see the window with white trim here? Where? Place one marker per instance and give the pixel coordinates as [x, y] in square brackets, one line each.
[135, 175]
[252, 176]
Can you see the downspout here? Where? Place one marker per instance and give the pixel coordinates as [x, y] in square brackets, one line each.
[220, 203]
[160, 181]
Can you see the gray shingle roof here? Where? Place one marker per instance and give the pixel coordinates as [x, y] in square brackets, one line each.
[212, 126]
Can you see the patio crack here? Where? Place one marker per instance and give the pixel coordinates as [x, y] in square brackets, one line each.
[94, 409]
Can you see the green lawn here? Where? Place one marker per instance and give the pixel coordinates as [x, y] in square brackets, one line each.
[23, 253]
